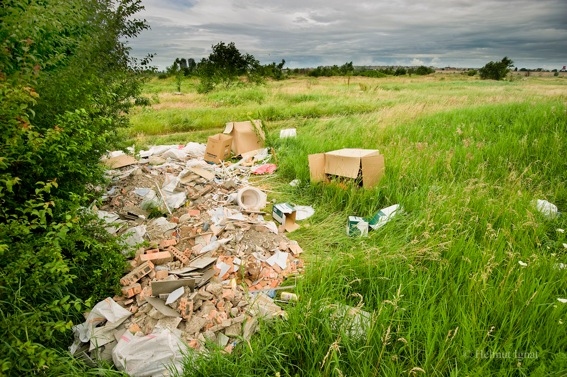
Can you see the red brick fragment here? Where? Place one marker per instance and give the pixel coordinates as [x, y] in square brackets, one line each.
[157, 258]
[163, 244]
[161, 274]
[178, 254]
[131, 290]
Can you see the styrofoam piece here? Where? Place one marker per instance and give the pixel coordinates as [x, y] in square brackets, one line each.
[303, 212]
[288, 132]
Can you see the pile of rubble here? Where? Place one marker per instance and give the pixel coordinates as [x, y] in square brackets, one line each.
[206, 260]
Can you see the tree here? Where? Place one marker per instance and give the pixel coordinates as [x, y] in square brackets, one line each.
[176, 70]
[185, 66]
[190, 69]
[496, 70]
[66, 84]
[400, 71]
[423, 70]
[274, 70]
[225, 65]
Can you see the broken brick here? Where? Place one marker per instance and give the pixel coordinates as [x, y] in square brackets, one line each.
[157, 258]
[164, 244]
[179, 255]
[193, 212]
[161, 274]
[193, 343]
[137, 273]
[131, 290]
[134, 328]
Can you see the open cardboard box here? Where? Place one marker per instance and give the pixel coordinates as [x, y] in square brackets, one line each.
[246, 136]
[218, 148]
[350, 162]
[285, 213]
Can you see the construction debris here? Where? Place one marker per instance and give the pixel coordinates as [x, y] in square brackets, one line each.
[207, 263]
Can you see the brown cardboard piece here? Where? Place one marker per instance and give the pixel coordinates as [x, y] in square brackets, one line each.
[120, 161]
[207, 174]
[350, 163]
[246, 136]
[218, 148]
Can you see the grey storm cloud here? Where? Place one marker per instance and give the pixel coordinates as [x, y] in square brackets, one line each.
[308, 33]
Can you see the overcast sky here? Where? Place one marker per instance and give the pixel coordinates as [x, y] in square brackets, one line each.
[309, 33]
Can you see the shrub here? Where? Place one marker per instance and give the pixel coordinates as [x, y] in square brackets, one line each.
[59, 115]
[423, 70]
[496, 70]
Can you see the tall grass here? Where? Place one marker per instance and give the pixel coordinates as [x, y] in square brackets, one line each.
[465, 281]
[309, 98]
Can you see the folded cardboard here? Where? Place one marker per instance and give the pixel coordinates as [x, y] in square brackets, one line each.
[121, 161]
[246, 136]
[383, 216]
[285, 213]
[218, 148]
[353, 163]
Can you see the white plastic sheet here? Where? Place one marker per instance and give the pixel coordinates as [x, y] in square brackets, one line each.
[195, 149]
[175, 154]
[135, 235]
[548, 209]
[105, 311]
[162, 224]
[353, 321]
[149, 355]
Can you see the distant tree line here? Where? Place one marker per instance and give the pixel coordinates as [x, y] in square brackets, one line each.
[347, 69]
[226, 66]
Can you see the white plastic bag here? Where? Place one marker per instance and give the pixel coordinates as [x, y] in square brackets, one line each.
[149, 355]
[548, 209]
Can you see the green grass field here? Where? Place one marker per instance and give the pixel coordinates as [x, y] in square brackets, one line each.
[465, 282]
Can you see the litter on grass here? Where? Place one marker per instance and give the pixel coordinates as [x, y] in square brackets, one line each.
[201, 245]
[359, 226]
[548, 209]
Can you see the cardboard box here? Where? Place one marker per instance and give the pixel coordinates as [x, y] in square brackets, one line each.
[284, 213]
[367, 164]
[218, 148]
[246, 136]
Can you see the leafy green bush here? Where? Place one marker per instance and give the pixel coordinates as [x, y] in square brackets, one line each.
[372, 73]
[496, 70]
[423, 70]
[66, 83]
